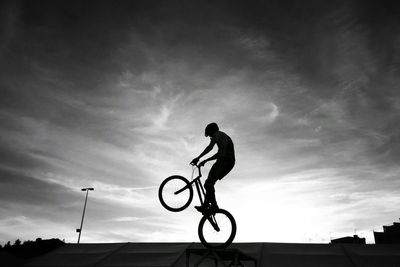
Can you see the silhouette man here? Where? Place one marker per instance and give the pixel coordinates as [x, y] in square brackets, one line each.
[225, 161]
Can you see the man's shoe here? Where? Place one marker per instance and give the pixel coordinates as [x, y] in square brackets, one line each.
[201, 209]
[207, 209]
[213, 208]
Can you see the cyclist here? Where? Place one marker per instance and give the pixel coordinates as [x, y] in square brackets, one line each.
[225, 161]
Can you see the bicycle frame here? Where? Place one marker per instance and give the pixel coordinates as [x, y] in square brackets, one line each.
[201, 193]
[199, 186]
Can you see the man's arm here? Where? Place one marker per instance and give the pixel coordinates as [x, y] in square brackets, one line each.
[210, 158]
[206, 151]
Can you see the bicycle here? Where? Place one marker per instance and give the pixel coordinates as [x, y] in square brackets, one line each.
[217, 228]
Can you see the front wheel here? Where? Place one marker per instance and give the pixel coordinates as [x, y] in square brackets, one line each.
[217, 230]
[175, 193]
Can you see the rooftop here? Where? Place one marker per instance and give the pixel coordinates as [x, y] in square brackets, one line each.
[266, 254]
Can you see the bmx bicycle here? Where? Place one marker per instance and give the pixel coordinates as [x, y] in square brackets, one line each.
[217, 228]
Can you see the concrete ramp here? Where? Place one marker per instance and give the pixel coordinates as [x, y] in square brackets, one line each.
[146, 254]
[310, 255]
[81, 255]
[374, 255]
[266, 254]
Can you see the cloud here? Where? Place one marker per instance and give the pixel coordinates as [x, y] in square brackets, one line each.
[9, 14]
[117, 97]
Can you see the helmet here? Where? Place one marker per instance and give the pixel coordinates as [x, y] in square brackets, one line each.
[211, 129]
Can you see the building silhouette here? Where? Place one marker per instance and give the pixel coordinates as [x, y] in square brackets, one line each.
[349, 240]
[390, 234]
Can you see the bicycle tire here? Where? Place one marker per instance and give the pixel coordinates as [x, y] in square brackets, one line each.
[173, 184]
[227, 237]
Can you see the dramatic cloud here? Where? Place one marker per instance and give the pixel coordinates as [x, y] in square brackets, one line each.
[116, 95]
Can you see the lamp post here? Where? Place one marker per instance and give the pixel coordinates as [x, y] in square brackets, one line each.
[84, 208]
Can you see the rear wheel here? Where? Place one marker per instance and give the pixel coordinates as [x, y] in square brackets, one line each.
[217, 230]
[175, 193]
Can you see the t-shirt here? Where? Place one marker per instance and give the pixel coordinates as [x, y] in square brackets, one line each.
[225, 145]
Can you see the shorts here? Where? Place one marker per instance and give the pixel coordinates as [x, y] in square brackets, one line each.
[220, 169]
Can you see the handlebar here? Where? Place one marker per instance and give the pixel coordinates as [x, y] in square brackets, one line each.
[198, 167]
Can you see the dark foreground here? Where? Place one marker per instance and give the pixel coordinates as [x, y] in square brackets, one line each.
[174, 254]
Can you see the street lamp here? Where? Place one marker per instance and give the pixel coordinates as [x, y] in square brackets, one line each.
[84, 208]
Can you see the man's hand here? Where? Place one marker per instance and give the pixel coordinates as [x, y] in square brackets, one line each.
[194, 161]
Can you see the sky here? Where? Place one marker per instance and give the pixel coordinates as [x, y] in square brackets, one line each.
[115, 95]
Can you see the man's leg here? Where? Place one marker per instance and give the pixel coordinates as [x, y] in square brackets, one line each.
[210, 199]
[209, 185]
[217, 172]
